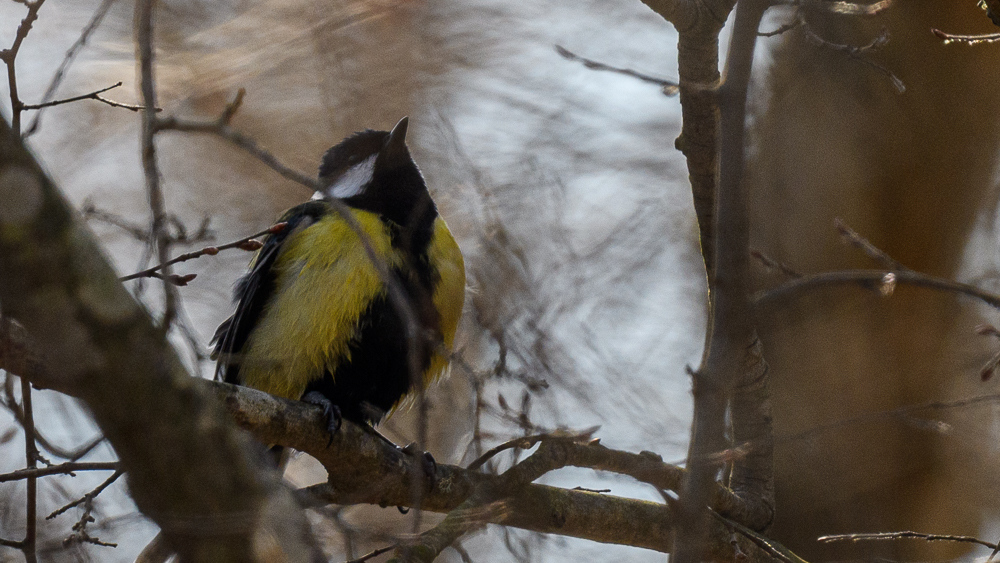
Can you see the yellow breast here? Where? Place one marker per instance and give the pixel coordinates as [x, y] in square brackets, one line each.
[324, 282]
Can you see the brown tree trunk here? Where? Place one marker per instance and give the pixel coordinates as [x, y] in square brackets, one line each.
[911, 172]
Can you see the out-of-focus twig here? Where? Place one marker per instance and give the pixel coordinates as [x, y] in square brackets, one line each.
[949, 38]
[9, 57]
[869, 278]
[67, 468]
[857, 53]
[71, 53]
[159, 238]
[904, 535]
[89, 497]
[669, 88]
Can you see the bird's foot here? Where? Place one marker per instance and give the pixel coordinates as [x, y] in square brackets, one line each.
[330, 411]
[427, 463]
[428, 466]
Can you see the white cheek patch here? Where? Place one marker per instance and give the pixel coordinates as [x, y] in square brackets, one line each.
[353, 181]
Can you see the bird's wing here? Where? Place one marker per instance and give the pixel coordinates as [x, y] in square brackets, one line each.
[253, 291]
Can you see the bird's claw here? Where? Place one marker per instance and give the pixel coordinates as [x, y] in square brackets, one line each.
[331, 412]
[427, 462]
[428, 466]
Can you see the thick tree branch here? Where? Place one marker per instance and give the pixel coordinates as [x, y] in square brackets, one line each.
[364, 469]
[101, 346]
[732, 368]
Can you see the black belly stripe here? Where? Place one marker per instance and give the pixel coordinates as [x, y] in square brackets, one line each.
[377, 375]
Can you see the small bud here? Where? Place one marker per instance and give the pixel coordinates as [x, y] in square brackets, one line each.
[250, 245]
[277, 227]
[210, 250]
[888, 284]
[182, 280]
[986, 329]
[987, 371]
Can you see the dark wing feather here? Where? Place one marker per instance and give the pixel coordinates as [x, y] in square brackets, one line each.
[254, 290]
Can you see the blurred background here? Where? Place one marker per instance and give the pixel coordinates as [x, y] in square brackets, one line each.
[586, 295]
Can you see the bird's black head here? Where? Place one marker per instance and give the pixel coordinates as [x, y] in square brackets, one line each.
[373, 170]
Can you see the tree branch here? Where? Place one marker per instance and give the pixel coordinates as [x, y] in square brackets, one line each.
[101, 346]
[732, 374]
[364, 469]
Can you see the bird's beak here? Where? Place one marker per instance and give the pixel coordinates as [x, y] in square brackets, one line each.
[397, 137]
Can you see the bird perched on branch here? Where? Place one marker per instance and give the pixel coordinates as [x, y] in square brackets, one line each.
[351, 313]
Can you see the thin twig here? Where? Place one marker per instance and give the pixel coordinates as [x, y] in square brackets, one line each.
[31, 455]
[857, 53]
[68, 59]
[772, 264]
[242, 141]
[851, 8]
[669, 87]
[91, 96]
[949, 38]
[902, 413]
[904, 535]
[40, 438]
[373, 554]
[157, 230]
[136, 231]
[68, 468]
[9, 56]
[245, 243]
[526, 442]
[89, 497]
[123, 105]
[784, 28]
[852, 237]
[867, 278]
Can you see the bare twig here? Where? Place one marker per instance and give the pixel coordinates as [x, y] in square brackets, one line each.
[31, 455]
[904, 535]
[68, 468]
[852, 237]
[857, 53]
[68, 59]
[949, 38]
[772, 264]
[130, 107]
[95, 95]
[373, 554]
[902, 413]
[669, 88]
[783, 28]
[159, 238]
[45, 443]
[9, 56]
[136, 231]
[89, 497]
[221, 128]
[850, 8]
[525, 442]
[869, 278]
[245, 243]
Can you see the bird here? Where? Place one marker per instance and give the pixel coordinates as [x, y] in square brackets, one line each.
[316, 319]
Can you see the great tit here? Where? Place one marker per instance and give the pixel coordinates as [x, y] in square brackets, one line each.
[314, 320]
